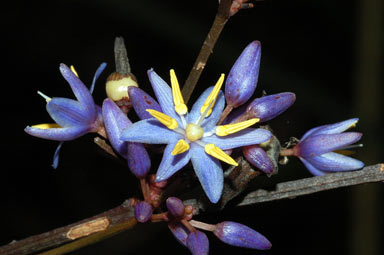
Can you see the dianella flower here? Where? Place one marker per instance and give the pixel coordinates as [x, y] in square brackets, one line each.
[316, 148]
[73, 118]
[193, 136]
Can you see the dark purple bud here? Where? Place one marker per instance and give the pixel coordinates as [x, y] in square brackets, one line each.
[179, 231]
[197, 243]
[268, 107]
[242, 79]
[143, 211]
[175, 206]
[258, 158]
[138, 159]
[141, 101]
[237, 234]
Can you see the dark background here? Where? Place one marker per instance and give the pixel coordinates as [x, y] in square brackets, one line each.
[328, 53]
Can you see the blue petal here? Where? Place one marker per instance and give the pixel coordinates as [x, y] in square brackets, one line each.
[209, 172]
[141, 101]
[171, 164]
[56, 156]
[79, 89]
[320, 144]
[138, 159]
[214, 117]
[313, 170]
[149, 131]
[99, 70]
[67, 112]
[244, 137]
[334, 162]
[163, 94]
[58, 134]
[335, 128]
[115, 121]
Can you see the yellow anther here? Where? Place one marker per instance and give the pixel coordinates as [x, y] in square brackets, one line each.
[181, 147]
[212, 96]
[74, 71]
[164, 119]
[233, 128]
[194, 132]
[218, 153]
[178, 100]
[47, 125]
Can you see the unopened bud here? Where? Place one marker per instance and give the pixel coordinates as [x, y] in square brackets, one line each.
[198, 243]
[141, 101]
[143, 211]
[175, 206]
[258, 158]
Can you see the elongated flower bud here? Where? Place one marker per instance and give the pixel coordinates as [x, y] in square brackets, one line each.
[138, 160]
[175, 206]
[141, 101]
[268, 107]
[179, 231]
[258, 158]
[237, 234]
[143, 211]
[242, 79]
[198, 243]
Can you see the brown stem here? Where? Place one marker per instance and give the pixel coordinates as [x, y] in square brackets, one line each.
[228, 109]
[287, 152]
[202, 225]
[221, 19]
[99, 224]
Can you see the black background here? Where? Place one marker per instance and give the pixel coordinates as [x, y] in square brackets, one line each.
[312, 48]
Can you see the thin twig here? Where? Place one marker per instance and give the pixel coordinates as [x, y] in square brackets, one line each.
[221, 19]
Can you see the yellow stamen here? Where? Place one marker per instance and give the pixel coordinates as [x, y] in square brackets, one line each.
[212, 96]
[74, 71]
[218, 153]
[233, 128]
[181, 147]
[47, 125]
[178, 100]
[163, 118]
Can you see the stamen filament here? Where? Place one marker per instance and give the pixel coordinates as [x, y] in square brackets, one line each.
[166, 120]
[178, 100]
[204, 114]
[47, 98]
[224, 130]
[181, 147]
[212, 96]
[218, 153]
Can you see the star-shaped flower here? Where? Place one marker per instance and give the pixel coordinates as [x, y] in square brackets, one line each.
[193, 136]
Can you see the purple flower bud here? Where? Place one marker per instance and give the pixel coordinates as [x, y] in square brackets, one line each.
[141, 101]
[268, 107]
[175, 206]
[258, 158]
[143, 211]
[179, 231]
[237, 234]
[197, 243]
[138, 159]
[242, 79]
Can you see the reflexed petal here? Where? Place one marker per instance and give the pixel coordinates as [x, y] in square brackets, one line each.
[67, 112]
[320, 144]
[79, 89]
[99, 70]
[209, 172]
[171, 164]
[179, 231]
[237, 234]
[149, 131]
[244, 137]
[138, 159]
[313, 170]
[334, 162]
[56, 156]
[197, 243]
[58, 134]
[163, 94]
[141, 101]
[218, 108]
[335, 128]
[115, 121]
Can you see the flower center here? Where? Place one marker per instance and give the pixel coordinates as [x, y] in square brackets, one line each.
[194, 132]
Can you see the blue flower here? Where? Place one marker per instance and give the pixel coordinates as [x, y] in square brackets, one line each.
[73, 118]
[193, 136]
[316, 146]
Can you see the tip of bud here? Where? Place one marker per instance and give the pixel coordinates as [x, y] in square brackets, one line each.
[175, 206]
[143, 211]
[197, 243]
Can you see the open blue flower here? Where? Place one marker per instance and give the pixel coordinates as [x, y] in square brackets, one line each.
[316, 147]
[73, 118]
[193, 136]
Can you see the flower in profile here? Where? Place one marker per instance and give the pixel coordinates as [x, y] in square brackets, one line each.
[193, 136]
[73, 118]
[316, 147]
